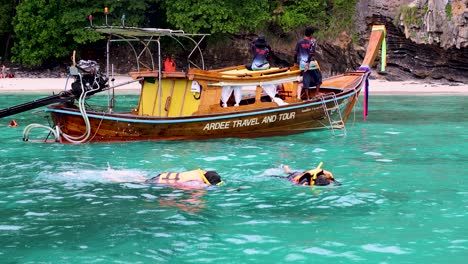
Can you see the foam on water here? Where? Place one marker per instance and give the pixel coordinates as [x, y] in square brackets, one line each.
[384, 249]
[86, 175]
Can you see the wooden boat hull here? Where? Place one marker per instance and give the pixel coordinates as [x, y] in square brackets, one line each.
[273, 121]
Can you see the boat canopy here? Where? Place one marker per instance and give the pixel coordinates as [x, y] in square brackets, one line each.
[146, 36]
[142, 32]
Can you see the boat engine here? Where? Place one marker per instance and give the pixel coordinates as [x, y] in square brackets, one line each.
[87, 77]
[85, 72]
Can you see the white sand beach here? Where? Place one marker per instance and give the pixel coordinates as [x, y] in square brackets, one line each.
[415, 87]
[44, 85]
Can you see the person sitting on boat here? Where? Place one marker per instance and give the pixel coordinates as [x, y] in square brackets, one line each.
[197, 178]
[261, 55]
[304, 55]
[169, 64]
[317, 176]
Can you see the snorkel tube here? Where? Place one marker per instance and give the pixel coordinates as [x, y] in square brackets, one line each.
[317, 170]
[314, 177]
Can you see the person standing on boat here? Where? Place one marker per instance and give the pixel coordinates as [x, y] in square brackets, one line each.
[304, 55]
[261, 55]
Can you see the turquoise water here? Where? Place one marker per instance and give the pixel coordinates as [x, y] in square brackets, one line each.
[404, 197]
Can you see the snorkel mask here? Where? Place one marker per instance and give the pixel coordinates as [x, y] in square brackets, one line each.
[205, 180]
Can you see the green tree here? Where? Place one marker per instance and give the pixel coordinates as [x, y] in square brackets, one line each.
[51, 29]
[330, 16]
[45, 30]
[341, 16]
[7, 9]
[299, 13]
[37, 25]
[216, 16]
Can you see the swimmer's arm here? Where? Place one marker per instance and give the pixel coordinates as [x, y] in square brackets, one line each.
[286, 169]
[116, 179]
[113, 178]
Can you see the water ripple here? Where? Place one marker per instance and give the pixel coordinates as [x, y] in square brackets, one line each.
[384, 249]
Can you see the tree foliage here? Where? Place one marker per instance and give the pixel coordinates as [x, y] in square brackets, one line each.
[7, 8]
[7, 11]
[50, 29]
[40, 35]
[216, 16]
[299, 13]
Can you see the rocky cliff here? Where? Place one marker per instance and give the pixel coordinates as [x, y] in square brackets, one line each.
[425, 39]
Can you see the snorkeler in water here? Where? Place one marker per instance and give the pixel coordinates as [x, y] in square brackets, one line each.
[317, 176]
[193, 177]
[197, 178]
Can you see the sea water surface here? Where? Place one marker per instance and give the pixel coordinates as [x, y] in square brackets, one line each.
[404, 197]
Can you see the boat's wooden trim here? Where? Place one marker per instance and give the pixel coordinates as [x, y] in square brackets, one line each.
[155, 74]
[241, 79]
[270, 122]
[237, 67]
[375, 41]
[348, 80]
[250, 73]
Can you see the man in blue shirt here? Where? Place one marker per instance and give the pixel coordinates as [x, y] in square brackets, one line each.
[304, 55]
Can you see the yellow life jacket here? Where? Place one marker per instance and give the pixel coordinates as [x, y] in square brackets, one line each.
[181, 177]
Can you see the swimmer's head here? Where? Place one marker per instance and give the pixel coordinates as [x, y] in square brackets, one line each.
[213, 177]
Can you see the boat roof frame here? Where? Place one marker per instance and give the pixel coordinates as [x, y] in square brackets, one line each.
[147, 35]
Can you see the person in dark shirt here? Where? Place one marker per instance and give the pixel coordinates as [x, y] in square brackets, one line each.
[304, 55]
[261, 55]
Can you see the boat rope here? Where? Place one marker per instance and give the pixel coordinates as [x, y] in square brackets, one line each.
[97, 129]
[365, 110]
[29, 127]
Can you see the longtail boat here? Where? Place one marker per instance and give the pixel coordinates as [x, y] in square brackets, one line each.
[197, 103]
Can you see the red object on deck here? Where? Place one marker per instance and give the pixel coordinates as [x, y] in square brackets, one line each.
[169, 65]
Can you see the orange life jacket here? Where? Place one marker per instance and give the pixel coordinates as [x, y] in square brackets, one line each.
[169, 65]
[313, 175]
